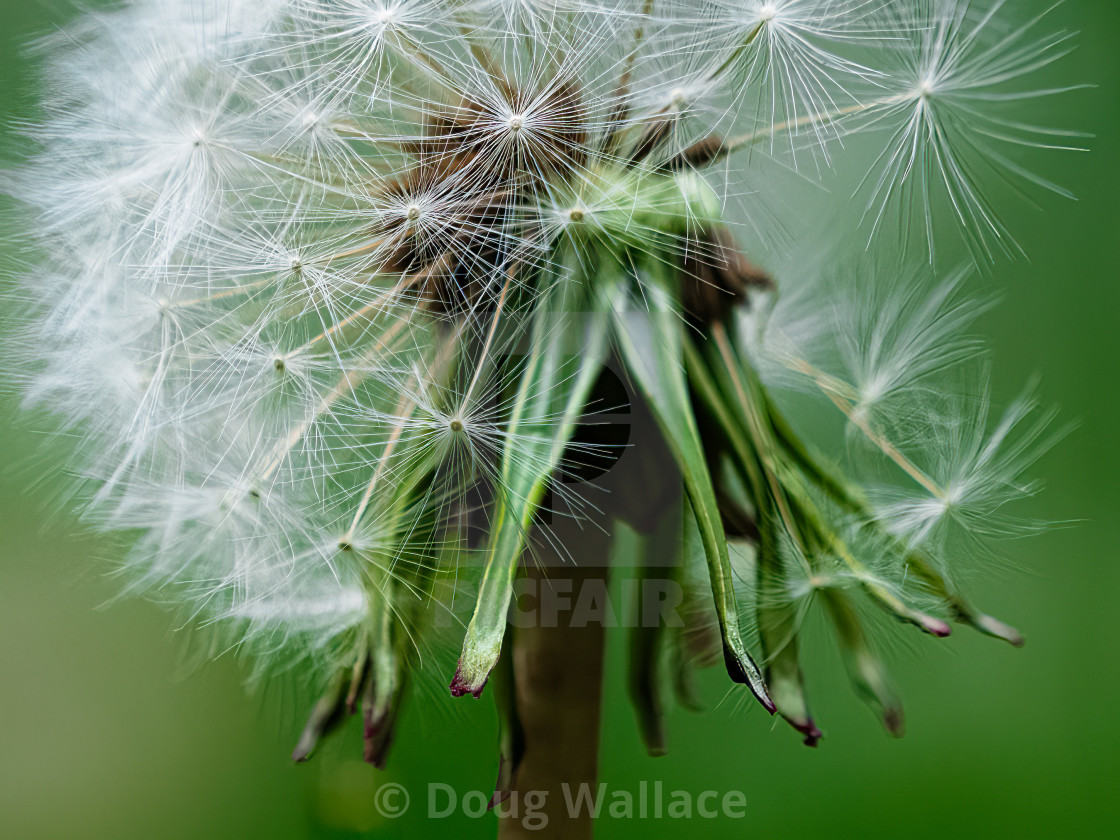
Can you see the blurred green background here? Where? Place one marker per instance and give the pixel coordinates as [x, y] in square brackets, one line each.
[108, 730]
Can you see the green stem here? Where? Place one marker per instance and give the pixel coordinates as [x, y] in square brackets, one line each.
[557, 689]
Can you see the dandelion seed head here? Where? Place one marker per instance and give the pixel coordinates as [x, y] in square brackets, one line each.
[325, 289]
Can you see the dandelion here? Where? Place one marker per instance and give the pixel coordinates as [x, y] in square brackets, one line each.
[337, 293]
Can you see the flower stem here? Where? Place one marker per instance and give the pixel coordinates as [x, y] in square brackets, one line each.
[557, 674]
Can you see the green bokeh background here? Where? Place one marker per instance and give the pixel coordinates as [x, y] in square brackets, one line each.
[109, 730]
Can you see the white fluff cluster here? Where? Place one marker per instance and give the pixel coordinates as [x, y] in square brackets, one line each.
[261, 220]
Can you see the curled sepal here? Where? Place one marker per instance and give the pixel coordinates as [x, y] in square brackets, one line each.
[565, 359]
[852, 499]
[877, 590]
[511, 736]
[778, 625]
[696, 643]
[379, 721]
[866, 670]
[987, 624]
[787, 687]
[659, 554]
[962, 610]
[329, 711]
[750, 421]
[644, 686]
[649, 342]
[396, 617]
[383, 688]
[683, 670]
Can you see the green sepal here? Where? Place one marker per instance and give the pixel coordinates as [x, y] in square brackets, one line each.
[566, 353]
[647, 643]
[329, 711]
[650, 344]
[865, 668]
[511, 737]
[779, 629]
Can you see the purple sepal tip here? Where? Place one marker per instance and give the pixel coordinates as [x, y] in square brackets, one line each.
[460, 687]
